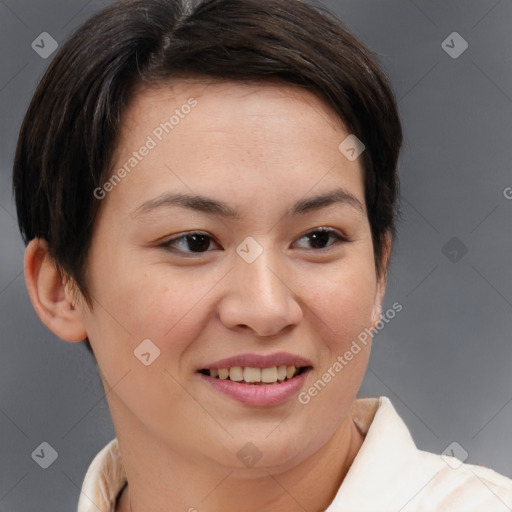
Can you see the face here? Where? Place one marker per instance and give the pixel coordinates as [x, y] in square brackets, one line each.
[272, 267]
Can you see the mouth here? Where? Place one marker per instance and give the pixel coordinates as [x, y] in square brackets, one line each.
[256, 376]
[257, 380]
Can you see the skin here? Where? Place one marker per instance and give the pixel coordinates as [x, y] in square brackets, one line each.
[259, 149]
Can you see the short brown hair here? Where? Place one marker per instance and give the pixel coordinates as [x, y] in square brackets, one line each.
[69, 134]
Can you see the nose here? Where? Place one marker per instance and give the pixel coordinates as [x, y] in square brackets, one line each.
[259, 297]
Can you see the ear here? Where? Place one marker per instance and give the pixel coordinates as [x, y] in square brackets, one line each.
[51, 298]
[382, 279]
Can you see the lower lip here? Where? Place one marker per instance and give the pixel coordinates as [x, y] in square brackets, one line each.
[258, 395]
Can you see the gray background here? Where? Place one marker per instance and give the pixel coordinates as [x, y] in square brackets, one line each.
[444, 361]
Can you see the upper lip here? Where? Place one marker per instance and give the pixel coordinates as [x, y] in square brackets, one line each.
[259, 361]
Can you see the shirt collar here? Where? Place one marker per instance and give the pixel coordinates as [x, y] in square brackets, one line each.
[103, 481]
[387, 459]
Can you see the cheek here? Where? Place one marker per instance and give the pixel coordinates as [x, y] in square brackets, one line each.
[341, 305]
[152, 301]
[143, 305]
[342, 300]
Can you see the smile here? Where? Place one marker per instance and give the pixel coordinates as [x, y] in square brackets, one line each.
[257, 380]
[255, 376]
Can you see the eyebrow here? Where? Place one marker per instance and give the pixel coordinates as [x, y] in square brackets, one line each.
[212, 206]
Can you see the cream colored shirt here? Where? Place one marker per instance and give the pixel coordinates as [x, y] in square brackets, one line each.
[389, 474]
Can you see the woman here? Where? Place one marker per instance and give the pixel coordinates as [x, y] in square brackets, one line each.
[208, 194]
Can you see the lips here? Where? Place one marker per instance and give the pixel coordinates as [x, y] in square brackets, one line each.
[258, 380]
[259, 361]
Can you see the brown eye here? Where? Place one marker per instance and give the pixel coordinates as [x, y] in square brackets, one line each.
[190, 243]
[319, 238]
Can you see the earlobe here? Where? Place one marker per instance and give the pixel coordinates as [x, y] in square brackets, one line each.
[51, 299]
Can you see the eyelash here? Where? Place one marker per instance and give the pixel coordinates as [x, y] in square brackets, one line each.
[339, 239]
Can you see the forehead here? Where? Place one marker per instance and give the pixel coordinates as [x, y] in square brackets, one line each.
[240, 98]
[227, 137]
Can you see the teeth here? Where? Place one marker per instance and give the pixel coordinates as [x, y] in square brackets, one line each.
[255, 375]
[236, 373]
[252, 374]
[269, 375]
